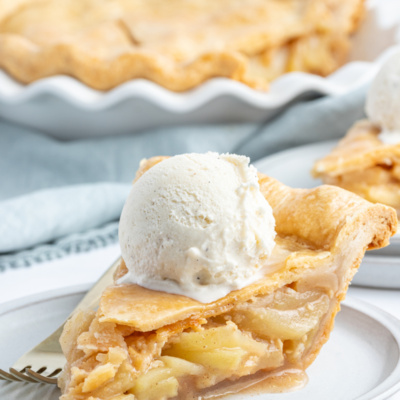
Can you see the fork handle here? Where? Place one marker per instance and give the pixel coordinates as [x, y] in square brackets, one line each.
[92, 298]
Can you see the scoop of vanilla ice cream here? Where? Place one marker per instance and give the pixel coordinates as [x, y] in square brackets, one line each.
[196, 225]
[383, 100]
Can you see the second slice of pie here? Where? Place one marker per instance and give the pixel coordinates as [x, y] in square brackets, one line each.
[367, 160]
[150, 344]
[365, 165]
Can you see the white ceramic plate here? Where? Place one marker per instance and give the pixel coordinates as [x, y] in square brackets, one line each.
[380, 268]
[67, 109]
[361, 360]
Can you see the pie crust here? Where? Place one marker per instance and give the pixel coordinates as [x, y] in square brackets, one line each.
[143, 344]
[365, 165]
[178, 44]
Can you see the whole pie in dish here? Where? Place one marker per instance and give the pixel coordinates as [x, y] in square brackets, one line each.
[177, 43]
[149, 345]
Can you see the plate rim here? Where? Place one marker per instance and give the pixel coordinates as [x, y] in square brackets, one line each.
[392, 261]
[24, 301]
[392, 324]
[389, 386]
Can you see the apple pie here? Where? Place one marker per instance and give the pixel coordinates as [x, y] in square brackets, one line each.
[365, 165]
[150, 345]
[177, 44]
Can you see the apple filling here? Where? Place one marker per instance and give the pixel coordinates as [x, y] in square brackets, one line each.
[268, 333]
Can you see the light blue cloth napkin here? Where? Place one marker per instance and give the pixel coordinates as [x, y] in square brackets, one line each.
[62, 197]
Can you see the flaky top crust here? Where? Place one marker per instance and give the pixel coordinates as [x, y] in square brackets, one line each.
[359, 150]
[177, 44]
[322, 226]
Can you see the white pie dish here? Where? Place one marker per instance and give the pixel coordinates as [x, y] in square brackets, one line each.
[65, 108]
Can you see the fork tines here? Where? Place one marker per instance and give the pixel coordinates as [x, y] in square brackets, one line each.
[28, 375]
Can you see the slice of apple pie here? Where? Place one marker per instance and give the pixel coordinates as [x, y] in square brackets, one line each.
[150, 345]
[367, 160]
[178, 44]
[365, 165]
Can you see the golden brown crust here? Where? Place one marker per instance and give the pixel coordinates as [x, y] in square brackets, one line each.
[323, 216]
[179, 45]
[360, 149]
[365, 165]
[77, 324]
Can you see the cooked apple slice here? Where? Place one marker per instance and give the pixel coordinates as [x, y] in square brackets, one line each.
[288, 315]
[182, 367]
[226, 350]
[156, 384]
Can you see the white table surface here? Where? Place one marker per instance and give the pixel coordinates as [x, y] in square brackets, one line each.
[87, 268]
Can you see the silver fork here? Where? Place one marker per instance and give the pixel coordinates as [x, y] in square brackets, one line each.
[45, 361]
